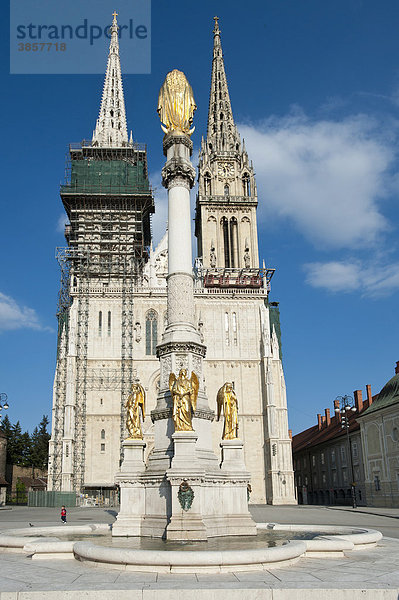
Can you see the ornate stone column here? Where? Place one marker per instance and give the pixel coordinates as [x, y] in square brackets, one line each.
[181, 345]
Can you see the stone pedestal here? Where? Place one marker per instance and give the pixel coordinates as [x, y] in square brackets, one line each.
[132, 491]
[185, 477]
[233, 457]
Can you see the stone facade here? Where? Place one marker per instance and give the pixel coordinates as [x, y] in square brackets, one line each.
[380, 441]
[233, 318]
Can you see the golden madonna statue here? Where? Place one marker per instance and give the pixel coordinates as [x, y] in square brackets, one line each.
[227, 400]
[184, 395]
[135, 404]
[176, 104]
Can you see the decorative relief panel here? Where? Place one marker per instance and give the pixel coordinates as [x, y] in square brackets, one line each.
[166, 369]
[181, 362]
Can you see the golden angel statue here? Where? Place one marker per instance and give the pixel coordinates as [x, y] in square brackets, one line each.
[176, 104]
[135, 404]
[184, 395]
[227, 400]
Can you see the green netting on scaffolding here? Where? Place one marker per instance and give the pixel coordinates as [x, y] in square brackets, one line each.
[107, 177]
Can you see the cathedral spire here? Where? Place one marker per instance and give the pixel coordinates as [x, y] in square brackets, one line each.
[111, 128]
[222, 132]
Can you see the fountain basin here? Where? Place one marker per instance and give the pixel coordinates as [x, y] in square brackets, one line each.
[323, 541]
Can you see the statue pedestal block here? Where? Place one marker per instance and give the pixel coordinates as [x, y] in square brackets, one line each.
[185, 477]
[132, 491]
[233, 457]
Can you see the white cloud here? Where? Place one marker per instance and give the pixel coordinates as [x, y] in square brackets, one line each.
[62, 221]
[326, 177]
[15, 316]
[369, 279]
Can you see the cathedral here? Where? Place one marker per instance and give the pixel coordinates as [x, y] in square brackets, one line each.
[112, 301]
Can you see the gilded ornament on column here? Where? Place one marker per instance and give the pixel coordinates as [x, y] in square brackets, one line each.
[176, 104]
[135, 404]
[184, 395]
[227, 401]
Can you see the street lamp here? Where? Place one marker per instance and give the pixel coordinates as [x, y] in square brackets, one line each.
[346, 406]
[3, 402]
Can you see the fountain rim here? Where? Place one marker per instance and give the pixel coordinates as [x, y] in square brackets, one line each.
[338, 541]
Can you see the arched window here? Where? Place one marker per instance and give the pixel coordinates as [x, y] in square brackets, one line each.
[226, 241]
[234, 319]
[109, 323]
[103, 434]
[233, 242]
[151, 332]
[246, 184]
[100, 322]
[226, 190]
[207, 183]
[226, 329]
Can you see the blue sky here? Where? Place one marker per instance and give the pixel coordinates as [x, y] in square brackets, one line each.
[315, 92]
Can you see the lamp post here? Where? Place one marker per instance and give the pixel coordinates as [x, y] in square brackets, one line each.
[3, 402]
[347, 406]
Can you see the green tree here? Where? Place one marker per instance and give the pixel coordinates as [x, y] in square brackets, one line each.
[39, 444]
[16, 444]
[6, 428]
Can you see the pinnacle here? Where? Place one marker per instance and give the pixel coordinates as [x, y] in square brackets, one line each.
[111, 128]
[222, 132]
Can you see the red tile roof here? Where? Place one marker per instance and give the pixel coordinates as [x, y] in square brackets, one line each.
[314, 436]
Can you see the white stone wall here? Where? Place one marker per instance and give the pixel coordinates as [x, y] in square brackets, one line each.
[380, 445]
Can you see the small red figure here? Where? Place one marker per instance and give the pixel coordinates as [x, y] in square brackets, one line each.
[63, 514]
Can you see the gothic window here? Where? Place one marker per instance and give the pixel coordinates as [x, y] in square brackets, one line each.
[226, 329]
[111, 113]
[221, 116]
[103, 434]
[109, 323]
[233, 242]
[226, 190]
[151, 332]
[100, 322]
[225, 233]
[207, 183]
[234, 319]
[246, 184]
[102, 447]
